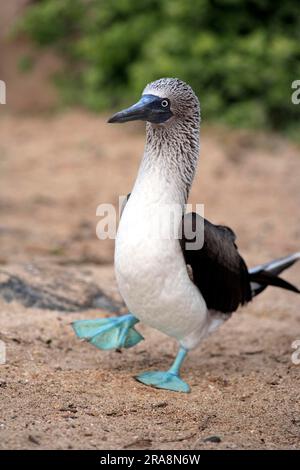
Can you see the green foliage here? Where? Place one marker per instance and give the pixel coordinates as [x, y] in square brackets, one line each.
[26, 63]
[240, 56]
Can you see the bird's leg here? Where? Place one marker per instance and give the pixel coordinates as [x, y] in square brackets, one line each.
[109, 333]
[169, 380]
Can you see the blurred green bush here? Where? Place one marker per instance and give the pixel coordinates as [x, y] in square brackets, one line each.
[240, 56]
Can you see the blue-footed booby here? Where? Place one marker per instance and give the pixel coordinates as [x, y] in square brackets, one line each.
[185, 293]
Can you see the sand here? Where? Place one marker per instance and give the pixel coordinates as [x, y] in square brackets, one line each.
[59, 393]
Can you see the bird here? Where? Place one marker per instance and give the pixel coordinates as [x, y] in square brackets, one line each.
[185, 282]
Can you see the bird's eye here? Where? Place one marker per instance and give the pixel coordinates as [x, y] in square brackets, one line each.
[164, 103]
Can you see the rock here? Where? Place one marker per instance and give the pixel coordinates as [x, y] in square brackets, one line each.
[33, 439]
[53, 288]
[215, 439]
[139, 444]
[160, 404]
[105, 303]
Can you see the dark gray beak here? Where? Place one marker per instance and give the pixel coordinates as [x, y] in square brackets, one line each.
[147, 109]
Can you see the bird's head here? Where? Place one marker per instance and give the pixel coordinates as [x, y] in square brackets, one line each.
[164, 101]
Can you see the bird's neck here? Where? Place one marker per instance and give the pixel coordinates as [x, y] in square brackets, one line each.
[171, 154]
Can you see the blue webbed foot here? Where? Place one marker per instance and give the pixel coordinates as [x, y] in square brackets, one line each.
[109, 333]
[167, 380]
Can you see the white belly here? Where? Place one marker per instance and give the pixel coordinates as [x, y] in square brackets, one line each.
[151, 272]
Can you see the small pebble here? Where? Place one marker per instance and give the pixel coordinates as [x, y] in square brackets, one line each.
[215, 439]
[33, 439]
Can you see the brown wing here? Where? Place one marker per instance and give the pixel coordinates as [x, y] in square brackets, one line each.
[219, 271]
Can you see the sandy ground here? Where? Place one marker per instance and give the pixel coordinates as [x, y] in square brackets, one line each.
[57, 392]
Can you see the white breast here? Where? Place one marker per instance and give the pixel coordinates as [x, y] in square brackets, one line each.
[150, 268]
